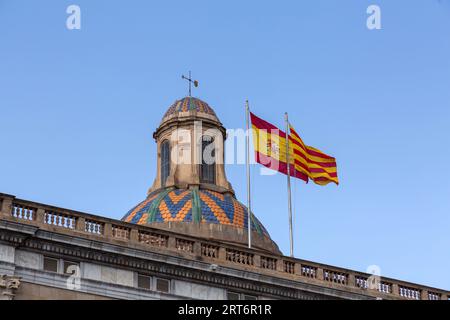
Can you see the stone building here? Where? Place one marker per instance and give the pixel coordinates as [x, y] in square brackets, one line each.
[186, 240]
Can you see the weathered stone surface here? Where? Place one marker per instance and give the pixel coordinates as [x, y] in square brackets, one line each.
[92, 271]
[30, 291]
[28, 259]
[8, 286]
[7, 253]
[109, 268]
[108, 274]
[198, 291]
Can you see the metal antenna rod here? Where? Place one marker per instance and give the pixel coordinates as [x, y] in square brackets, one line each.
[190, 84]
[189, 79]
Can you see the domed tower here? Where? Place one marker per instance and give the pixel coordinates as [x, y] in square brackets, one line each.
[191, 193]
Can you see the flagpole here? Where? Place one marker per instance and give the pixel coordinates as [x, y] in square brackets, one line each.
[289, 186]
[247, 160]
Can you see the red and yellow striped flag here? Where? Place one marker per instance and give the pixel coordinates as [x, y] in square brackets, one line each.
[270, 149]
[322, 169]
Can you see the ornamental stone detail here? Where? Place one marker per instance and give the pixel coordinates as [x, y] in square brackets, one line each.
[8, 287]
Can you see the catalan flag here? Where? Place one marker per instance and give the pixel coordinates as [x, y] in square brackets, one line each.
[270, 149]
[322, 168]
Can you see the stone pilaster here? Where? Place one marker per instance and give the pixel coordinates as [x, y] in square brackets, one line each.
[395, 289]
[351, 280]
[172, 243]
[107, 232]
[197, 248]
[40, 216]
[222, 254]
[280, 265]
[319, 274]
[134, 235]
[81, 224]
[424, 294]
[298, 269]
[6, 206]
[257, 260]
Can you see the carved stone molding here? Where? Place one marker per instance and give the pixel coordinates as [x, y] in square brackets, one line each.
[8, 287]
[157, 267]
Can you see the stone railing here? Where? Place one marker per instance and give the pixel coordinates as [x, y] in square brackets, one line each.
[152, 239]
[210, 251]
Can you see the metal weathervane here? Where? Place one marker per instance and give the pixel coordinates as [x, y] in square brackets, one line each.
[189, 79]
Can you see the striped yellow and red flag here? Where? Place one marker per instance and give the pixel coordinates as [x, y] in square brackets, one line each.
[270, 149]
[322, 168]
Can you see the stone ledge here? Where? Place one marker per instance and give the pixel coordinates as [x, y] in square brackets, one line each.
[107, 240]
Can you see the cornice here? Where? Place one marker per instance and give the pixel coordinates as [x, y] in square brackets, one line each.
[194, 272]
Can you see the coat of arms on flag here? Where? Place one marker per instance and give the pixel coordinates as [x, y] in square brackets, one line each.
[269, 143]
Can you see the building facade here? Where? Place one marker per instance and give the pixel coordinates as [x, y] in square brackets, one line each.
[186, 240]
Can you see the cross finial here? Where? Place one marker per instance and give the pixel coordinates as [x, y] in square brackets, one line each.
[189, 79]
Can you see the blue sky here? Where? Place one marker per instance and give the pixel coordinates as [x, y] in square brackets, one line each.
[78, 109]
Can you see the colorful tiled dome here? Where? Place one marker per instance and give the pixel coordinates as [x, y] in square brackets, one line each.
[189, 103]
[203, 206]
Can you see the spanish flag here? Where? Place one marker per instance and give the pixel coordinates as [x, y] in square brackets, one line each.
[270, 149]
[322, 169]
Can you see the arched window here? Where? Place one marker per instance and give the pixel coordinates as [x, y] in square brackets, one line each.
[165, 162]
[208, 167]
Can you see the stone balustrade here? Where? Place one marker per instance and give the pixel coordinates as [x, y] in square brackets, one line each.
[148, 238]
[210, 251]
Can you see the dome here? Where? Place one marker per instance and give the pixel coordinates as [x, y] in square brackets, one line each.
[196, 198]
[182, 205]
[191, 208]
[188, 104]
